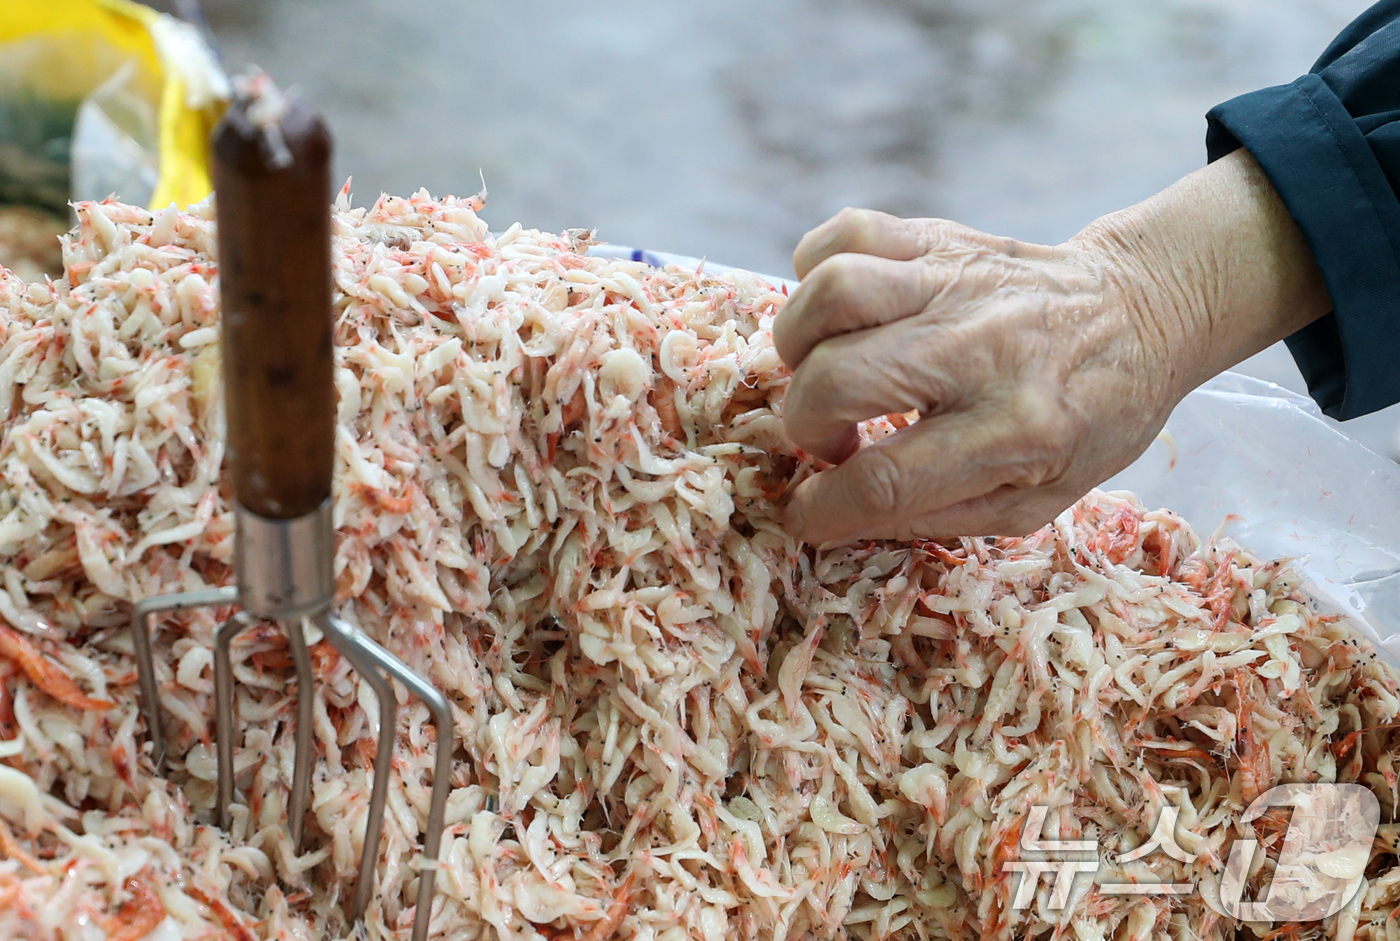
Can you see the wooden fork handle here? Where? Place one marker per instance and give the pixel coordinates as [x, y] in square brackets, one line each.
[272, 191]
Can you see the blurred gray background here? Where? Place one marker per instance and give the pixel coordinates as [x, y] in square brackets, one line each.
[727, 128]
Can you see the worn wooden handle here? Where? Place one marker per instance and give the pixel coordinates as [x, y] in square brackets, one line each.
[272, 191]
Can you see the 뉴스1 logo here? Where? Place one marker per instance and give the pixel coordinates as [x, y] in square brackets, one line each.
[1320, 865]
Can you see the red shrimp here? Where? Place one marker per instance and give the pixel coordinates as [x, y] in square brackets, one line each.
[138, 916]
[45, 674]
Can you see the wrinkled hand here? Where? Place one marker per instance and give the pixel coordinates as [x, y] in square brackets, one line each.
[1038, 371]
[1034, 377]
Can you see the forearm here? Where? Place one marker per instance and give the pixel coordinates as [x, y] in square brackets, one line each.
[1214, 268]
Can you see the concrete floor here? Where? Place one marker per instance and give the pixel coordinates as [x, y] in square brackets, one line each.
[728, 128]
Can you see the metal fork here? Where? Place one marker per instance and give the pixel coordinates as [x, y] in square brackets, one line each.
[272, 186]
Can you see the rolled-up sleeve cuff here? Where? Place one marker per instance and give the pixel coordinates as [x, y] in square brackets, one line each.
[1312, 151]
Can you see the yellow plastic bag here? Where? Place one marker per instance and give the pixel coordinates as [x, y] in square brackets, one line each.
[140, 89]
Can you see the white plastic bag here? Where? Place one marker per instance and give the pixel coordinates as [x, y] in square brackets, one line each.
[1262, 461]
[1295, 486]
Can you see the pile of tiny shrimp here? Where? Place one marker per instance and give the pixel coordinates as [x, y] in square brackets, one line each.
[558, 491]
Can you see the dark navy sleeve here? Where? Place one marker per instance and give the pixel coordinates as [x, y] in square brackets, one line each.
[1330, 144]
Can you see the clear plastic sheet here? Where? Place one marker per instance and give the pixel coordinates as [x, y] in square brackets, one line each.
[1285, 483]
[1260, 464]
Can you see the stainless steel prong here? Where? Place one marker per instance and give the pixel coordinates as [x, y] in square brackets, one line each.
[369, 658]
[224, 709]
[145, 659]
[295, 629]
[442, 784]
[356, 647]
[285, 573]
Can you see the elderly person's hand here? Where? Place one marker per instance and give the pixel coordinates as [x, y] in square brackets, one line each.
[1038, 371]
